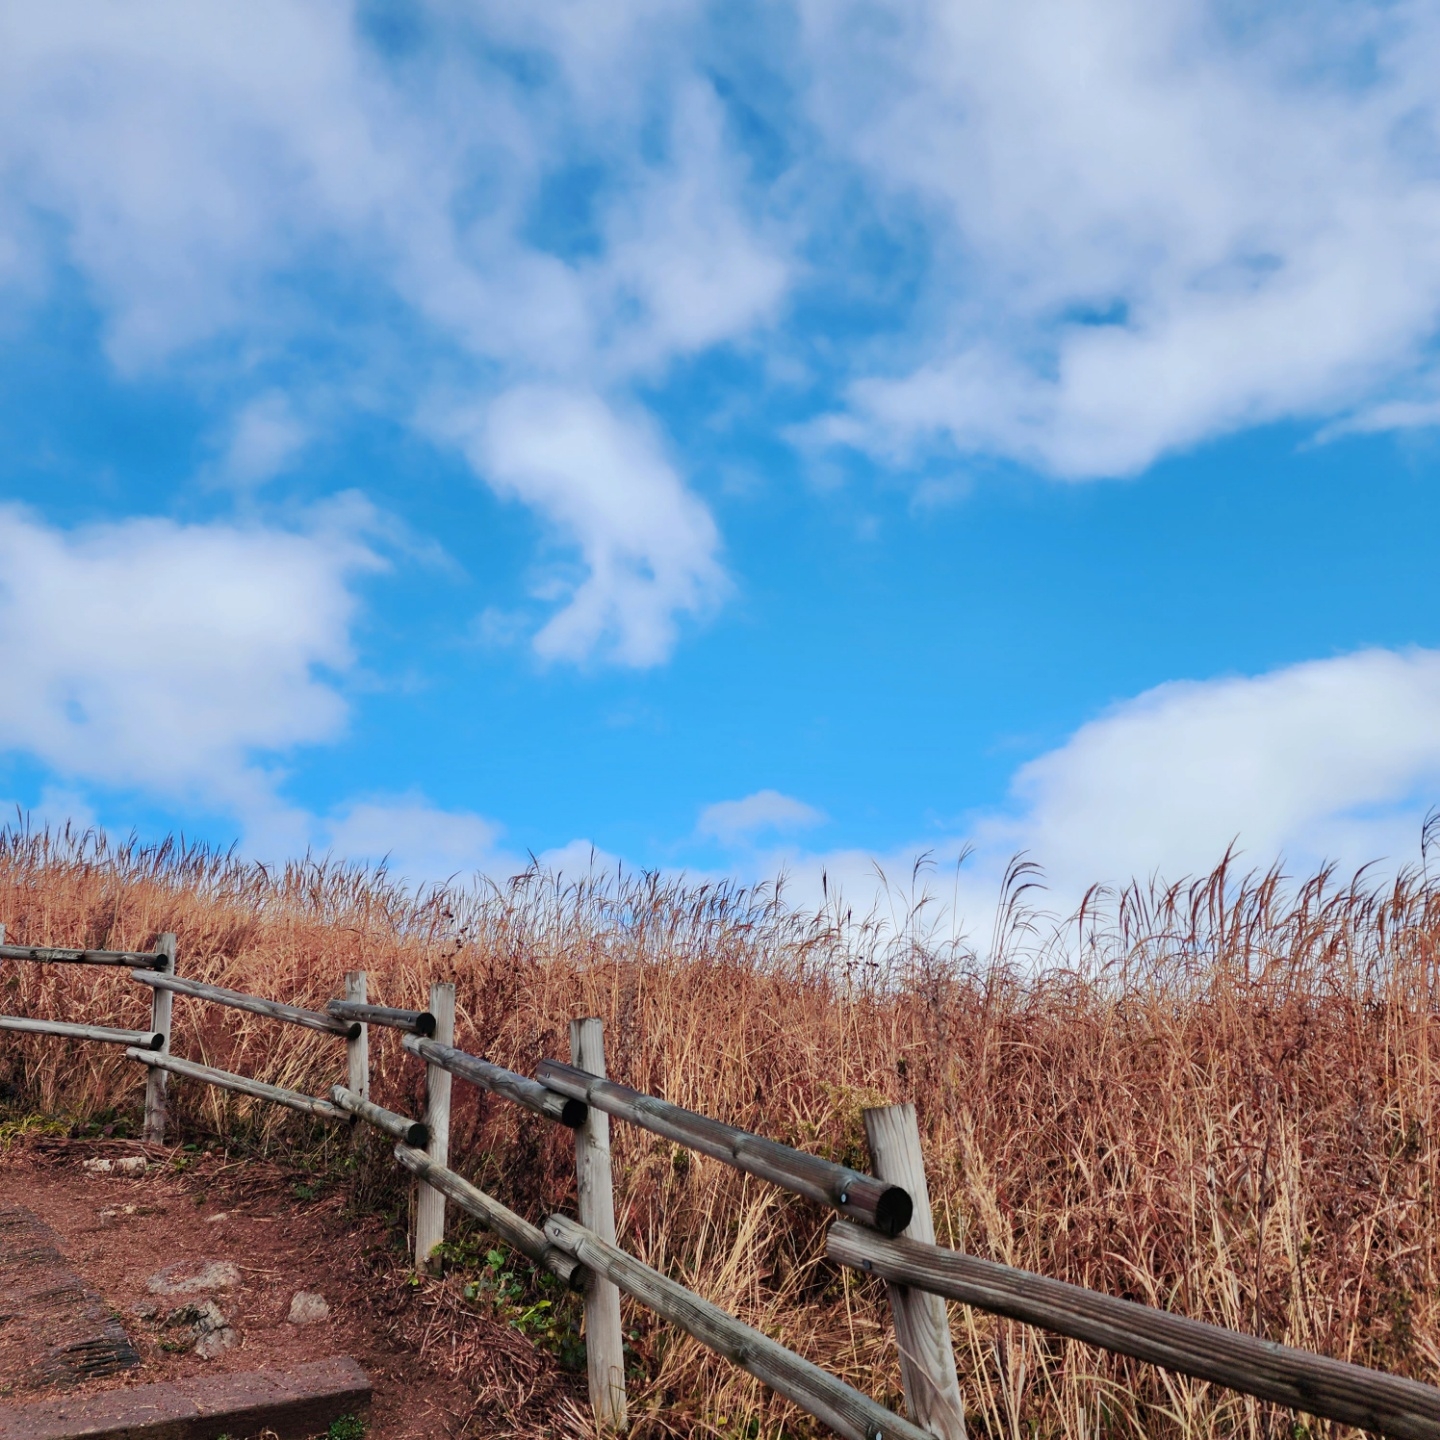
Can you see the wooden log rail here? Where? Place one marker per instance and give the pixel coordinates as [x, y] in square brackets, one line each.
[862, 1197]
[416, 1022]
[401, 1127]
[1314, 1384]
[516, 1231]
[843, 1409]
[217, 995]
[57, 955]
[240, 1084]
[140, 1039]
[495, 1078]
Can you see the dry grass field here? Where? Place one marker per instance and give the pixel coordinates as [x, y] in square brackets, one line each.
[1220, 1098]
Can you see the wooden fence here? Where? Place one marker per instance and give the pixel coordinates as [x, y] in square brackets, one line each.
[886, 1229]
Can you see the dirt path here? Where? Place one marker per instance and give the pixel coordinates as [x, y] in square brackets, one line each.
[437, 1367]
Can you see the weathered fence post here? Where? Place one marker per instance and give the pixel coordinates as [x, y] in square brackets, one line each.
[927, 1360]
[157, 1084]
[430, 1205]
[357, 1051]
[604, 1339]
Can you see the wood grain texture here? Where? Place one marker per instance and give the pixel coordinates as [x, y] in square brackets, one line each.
[354, 1008]
[142, 1039]
[922, 1328]
[604, 1337]
[862, 1197]
[1312, 1384]
[218, 995]
[157, 1082]
[844, 1409]
[400, 1127]
[514, 1230]
[240, 1084]
[56, 955]
[357, 1046]
[430, 1203]
[495, 1078]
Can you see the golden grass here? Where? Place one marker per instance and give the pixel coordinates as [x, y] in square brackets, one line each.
[1225, 1105]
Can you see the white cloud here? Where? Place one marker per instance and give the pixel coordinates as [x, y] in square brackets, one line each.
[733, 821]
[684, 264]
[650, 547]
[579, 858]
[267, 438]
[175, 658]
[419, 841]
[201, 166]
[1329, 760]
[1151, 224]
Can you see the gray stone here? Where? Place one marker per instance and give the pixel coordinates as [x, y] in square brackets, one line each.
[202, 1316]
[206, 1322]
[125, 1165]
[186, 1277]
[207, 1347]
[308, 1308]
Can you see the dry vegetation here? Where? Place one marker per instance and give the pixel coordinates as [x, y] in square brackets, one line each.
[1219, 1098]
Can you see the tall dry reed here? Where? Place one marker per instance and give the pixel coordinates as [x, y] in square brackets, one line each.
[1219, 1097]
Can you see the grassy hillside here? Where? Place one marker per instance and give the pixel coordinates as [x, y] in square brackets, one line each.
[1227, 1108]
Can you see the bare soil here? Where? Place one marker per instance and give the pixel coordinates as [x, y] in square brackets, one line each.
[437, 1366]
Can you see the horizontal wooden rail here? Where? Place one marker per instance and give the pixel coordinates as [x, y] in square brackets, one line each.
[241, 1084]
[836, 1404]
[417, 1022]
[1314, 1384]
[887, 1207]
[519, 1088]
[402, 1127]
[293, 1014]
[516, 1231]
[141, 1039]
[54, 955]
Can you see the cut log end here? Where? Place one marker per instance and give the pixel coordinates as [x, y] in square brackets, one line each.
[418, 1135]
[425, 1025]
[573, 1113]
[156, 1042]
[893, 1211]
[353, 1032]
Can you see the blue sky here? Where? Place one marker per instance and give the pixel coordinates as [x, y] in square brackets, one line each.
[732, 439]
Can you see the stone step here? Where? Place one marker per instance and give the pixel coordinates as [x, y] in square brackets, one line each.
[292, 1404]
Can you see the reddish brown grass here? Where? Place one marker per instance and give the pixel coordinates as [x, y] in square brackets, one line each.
[1218, 1098]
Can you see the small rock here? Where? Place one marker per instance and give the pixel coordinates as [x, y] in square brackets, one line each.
[185, 1278]
[308, 1308]
[202, 1316]
[206, 1322]
[145, 1310]
[216, 1219]
[125, 1165]
[216, 1342]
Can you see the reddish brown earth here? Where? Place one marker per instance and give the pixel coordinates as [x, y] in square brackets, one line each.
[437, 1366]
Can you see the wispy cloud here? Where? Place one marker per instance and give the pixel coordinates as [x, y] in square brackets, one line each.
[649, 546]
[765, 812]
[1150, 225]
[1123, 228]
[418, 841]
[1332, 760]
